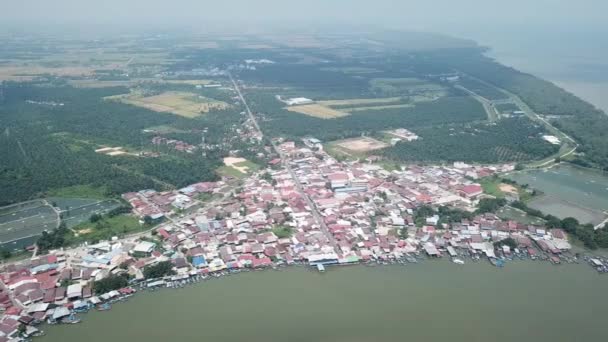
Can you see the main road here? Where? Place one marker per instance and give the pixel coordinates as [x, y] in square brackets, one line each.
[285, 162]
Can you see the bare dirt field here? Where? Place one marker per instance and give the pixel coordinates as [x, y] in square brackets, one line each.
[317, 110]
[362, 144]
[507, 188]
[180, 103]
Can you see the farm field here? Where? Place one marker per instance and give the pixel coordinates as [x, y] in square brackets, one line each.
[185, 104]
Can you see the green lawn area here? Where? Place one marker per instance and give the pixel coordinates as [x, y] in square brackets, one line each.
[79, 191]
[233, 172]
[229, 171]
[107, 227]
[282, 231]
[490, 187]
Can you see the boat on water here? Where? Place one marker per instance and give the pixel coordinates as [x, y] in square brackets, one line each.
[104, 307]
[321, 268]
[458, 261]
[72, 319]
[497, 262]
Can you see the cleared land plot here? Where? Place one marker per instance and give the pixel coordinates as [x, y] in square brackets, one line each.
[363, 144]
[180, 103]
[22, 222]
[317, 110]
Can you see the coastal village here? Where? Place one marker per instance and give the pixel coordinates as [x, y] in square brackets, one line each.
[306, 208]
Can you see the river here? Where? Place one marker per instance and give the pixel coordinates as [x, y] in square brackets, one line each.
[569, 191]
[432, 301]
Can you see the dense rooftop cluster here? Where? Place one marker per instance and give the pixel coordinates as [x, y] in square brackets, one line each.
[360, 213]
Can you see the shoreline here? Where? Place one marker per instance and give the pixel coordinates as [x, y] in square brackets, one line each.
[180, 282]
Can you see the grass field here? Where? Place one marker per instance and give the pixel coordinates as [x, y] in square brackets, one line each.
[180, 103]
[106, 228]
[317, 110]
[237, 167]
[229, 171]
[491, 186]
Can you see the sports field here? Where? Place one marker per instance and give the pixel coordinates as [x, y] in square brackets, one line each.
[362, 144]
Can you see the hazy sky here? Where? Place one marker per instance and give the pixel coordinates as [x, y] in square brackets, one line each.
[448, 16]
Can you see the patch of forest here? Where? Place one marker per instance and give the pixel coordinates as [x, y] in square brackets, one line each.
[508, 140]
[48, 135]
[580, 119]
